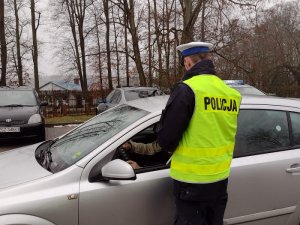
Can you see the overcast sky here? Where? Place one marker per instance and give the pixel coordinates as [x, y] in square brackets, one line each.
[47, 60]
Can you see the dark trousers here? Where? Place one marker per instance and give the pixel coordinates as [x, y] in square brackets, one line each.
[200, 204]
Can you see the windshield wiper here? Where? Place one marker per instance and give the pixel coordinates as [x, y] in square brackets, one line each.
[46, 156]
[13, 105]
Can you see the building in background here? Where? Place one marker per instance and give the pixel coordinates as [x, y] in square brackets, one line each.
[62, 92]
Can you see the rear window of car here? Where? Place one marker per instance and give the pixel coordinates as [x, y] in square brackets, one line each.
[116, 98]
[17, 97]
[248, 90]
[261, 131]
[131, 95]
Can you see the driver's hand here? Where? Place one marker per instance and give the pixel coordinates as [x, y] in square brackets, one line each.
[127, 146]
[133, 164]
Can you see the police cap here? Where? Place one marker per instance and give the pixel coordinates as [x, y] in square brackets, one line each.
[193, 48]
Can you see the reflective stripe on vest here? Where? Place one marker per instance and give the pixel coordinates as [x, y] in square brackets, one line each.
[205, 151]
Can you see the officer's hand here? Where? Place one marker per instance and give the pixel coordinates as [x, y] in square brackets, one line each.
[133, 164]
[127, 146]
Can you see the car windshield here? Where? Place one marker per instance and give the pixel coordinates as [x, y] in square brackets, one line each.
[80, 142]
[10, 97]
[131, 95]
[248, 91]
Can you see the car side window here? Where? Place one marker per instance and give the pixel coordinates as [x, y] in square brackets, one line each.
[261, 131]
[144, 151]
[295, 120]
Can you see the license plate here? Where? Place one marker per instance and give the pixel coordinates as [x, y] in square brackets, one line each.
[9, 129]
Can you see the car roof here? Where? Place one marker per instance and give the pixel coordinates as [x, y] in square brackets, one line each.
[270, 100]
[157, 103]
[240, 85]
[137, 88]
[150, 104]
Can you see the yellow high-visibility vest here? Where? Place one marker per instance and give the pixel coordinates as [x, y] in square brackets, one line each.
[205, 150]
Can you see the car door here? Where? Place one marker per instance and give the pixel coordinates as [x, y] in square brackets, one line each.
[264, 181]
[146, 200]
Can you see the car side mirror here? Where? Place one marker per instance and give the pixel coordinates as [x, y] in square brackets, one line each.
[118, 170]
[44, 103]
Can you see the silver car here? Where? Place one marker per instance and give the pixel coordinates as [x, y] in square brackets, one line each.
[126, 94]
[82, 178]
[244, 89]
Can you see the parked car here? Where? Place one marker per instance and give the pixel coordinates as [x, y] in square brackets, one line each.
[244, 89]
[81, 178]
[126, 94]
[21, 114]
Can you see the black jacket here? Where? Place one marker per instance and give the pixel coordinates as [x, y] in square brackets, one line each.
[180, 108]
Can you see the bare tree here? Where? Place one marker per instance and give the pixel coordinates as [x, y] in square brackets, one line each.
[70, 5]
[190, 15]
[80, 10]
[100, 71]
[116, 47]
[76, 10]
[18, 36]
[158, 43]
[129, 10]
[107, 23]
[126, 46]
[149, 46]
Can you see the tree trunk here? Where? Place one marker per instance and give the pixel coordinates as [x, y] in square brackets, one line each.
[3, 45]
[80, 8]
[149, 46]
[35, 46]
[109, 74]
[175, 65]
[18, 36]
[190, 16]
[117, 52]
[158, 44]
[99, 57]
[203, 21]
[126, 48]
[71, 13]
[168, 44]
[84, 73]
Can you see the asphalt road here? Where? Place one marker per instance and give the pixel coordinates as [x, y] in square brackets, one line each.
[51, 132]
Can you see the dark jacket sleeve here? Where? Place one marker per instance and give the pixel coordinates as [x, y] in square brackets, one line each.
[176, 117]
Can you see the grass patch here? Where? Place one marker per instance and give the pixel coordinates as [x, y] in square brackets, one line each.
[67, 119]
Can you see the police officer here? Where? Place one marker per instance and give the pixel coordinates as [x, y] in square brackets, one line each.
[199, 125]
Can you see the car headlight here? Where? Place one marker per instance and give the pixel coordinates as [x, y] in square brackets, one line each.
[36, 118]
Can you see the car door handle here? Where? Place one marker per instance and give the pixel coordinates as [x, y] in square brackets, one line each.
[293, 168]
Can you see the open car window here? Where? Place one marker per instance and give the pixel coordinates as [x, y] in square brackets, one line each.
[143, 143]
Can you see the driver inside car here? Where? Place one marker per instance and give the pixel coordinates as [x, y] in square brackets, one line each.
[142, 149]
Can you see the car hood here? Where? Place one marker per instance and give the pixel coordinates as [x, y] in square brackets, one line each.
[19, 166]
[17, 113]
